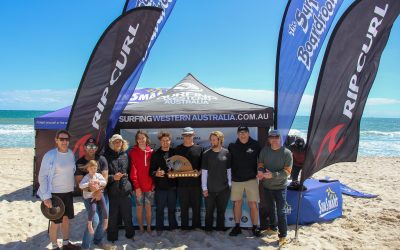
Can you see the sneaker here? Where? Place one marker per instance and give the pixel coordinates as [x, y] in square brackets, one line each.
[282, 241]
[235, 231]
[270, 231]
[71, 246]
[256, 232]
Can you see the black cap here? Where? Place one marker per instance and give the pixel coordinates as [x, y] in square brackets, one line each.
[91, 140]
[242, 128]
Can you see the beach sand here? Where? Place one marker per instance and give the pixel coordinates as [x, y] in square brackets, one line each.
[365, 224]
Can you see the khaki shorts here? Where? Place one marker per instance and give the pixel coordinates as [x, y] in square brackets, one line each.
[250, 187]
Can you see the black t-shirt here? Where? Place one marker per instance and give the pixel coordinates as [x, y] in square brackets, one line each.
[216, 164]
[244, 160]
[193, 154]
[81, 162]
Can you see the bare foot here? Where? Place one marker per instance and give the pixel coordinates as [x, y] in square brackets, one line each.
[141, 229]
[105, 224]
[148, 229]
[90, 228]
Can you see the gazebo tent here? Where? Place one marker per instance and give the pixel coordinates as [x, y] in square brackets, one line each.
[188, 103]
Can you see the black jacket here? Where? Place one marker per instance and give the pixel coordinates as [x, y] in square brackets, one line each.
[244, 160]
[118, 162]
[158, 161]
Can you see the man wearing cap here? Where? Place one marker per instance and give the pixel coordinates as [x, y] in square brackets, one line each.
[90, 149]
[274, 167]
[244, 153]
[56, 178]
[189, 188]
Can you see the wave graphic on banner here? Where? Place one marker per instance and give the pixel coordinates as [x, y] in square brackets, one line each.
[130, 85]
[118, 52]
[303, 31]
[347, 74]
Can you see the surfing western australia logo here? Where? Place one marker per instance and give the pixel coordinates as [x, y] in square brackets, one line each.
[329, 205]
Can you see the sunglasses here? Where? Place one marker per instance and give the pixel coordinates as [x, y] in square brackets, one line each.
[91, 146]
[63, 139]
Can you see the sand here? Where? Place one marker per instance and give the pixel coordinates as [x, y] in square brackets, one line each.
[365, 224]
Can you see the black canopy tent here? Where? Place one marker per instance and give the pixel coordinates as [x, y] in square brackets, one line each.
[191, 103]
[188, 103]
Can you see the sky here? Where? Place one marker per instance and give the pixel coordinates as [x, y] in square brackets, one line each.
[229, 45]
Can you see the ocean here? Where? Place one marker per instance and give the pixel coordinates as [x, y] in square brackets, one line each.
[378, 136]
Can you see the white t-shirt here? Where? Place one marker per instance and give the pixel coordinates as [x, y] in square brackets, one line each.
[63, 179]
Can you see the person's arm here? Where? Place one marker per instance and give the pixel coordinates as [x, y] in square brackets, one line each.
[204, 176]
[102, 180]
[104, 167]
[133, 175]
[229, 175]
[43, 192]
[260, 166]
[153, 165]
[84, 183]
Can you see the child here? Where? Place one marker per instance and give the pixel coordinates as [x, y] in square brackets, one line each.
[97, 180]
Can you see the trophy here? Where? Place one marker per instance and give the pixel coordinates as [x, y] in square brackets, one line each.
[179, 166]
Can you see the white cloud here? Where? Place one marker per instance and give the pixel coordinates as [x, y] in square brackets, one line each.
[264, 97]
[382, 101]
[39, 99]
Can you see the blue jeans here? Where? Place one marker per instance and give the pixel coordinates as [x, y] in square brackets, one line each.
[97, 225]
[275, 201]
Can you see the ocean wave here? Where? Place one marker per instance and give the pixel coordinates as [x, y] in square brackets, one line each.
[380, 133]
[15, 129]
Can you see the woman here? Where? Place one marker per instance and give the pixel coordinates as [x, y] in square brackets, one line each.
[119, 188]
[140, 156]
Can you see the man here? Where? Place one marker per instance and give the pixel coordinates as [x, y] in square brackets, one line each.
[165, 187]
[274, 167]
[244, 154]
[56, 178]
[189, 188]
[216, 180]
[90, 149]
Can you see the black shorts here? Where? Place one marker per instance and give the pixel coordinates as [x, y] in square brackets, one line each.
[68, 200]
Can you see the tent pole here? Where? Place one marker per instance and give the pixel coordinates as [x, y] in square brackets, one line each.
[300, 196]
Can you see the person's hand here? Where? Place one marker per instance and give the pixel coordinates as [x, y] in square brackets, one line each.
[118, 176]
[138, 193]
[260, 175]
[268, 175]
[48, 203]
[93, 186]
[160, 173]
[205, 193]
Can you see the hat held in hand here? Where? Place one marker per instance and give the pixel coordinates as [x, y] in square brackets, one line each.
[56, 211]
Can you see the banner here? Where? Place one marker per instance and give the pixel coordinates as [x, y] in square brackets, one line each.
[347, 74]
[130, 84]
[303, 31]
[118, 53]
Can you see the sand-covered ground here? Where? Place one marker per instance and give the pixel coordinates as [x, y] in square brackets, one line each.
[365, 224]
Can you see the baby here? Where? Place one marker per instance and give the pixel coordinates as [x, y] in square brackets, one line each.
[96, 181]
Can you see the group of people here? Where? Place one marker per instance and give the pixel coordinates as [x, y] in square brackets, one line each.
[110, 182]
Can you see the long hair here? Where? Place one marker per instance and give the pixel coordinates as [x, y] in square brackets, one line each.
[142, 132]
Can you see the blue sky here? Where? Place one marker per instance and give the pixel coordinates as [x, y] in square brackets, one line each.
[230, 45]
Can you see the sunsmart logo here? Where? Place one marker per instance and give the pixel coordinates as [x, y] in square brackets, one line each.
[329, 205]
